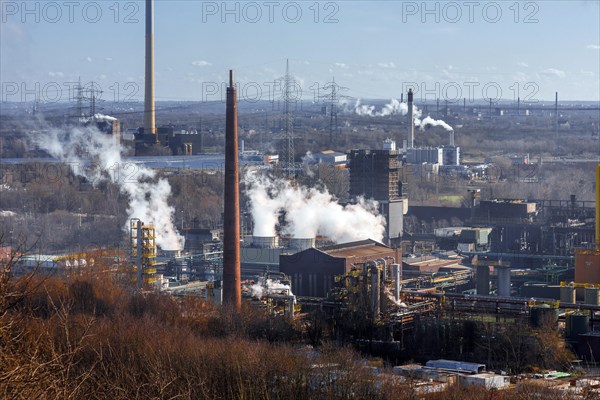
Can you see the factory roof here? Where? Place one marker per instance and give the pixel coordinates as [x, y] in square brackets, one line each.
[458, 366]
[362, 248]
[432, 264]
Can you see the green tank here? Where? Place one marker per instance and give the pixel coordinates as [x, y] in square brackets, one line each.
[543, 314]
[577, 324]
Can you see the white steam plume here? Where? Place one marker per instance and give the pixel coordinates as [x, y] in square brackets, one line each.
[310, 212]
[148, 195]
[265, 287]
[430, 121]
[307, 161]
[394, 107]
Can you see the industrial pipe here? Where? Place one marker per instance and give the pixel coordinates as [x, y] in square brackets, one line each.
[397, 277]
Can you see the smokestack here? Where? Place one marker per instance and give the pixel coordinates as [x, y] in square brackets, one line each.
[411, 121]
[598, 207]
[232, 294]
[149, 111]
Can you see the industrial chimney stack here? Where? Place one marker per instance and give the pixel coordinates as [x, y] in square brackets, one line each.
[411, 121]
[149, 113]
[232, 295]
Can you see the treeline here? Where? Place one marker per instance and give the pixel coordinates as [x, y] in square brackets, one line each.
[89, 337]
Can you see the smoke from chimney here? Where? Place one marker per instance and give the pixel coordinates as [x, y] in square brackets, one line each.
[148, 194]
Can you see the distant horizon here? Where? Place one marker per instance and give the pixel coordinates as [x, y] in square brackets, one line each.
[373, 100]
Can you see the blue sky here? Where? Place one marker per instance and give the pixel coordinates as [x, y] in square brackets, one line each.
[374, 48]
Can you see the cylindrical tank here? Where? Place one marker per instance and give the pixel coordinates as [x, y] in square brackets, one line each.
[592, 296]
[504, 282]
[577, 324]
[567, 294]
[265, 242]
[542, 315]
[483, 280]
[301, 243]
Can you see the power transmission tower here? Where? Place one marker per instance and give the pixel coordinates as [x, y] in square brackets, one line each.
[93, 98]
[86, 94]
[288, 126]
[331, 97]
[79, 99]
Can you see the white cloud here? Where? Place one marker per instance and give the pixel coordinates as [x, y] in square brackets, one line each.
[89, 59]
[341, 65]
[586, 73]
[522, 64]
[108, 59]
[553, 72]
[201, 63]
[593, 46]
[387, 65]
[56, 74]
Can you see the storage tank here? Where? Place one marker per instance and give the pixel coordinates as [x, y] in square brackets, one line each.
[301, 243]
[542, 315]
[265, 242]
[591, 296]
[567, 294]
[577, 324]
[503, 282]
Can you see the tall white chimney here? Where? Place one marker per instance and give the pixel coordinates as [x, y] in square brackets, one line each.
[149, 111]
[411, 121]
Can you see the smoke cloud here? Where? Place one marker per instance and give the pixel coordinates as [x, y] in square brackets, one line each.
[265, 287]
[97, 157]
[309, 212]
[394, 107]
[433, 122]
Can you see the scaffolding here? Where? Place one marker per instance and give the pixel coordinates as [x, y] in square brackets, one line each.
[143, 251]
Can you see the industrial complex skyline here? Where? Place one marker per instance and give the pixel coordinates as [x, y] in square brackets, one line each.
[525, 49]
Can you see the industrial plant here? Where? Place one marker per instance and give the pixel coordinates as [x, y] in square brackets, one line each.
[400, 231]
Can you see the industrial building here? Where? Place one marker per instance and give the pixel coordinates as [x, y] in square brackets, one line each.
[376, 174]
[182, 142]
[313, 271]
[330, 157]
[443, 155]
